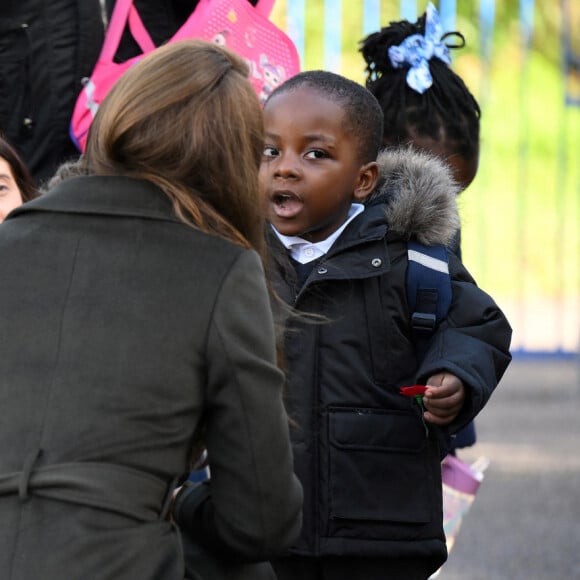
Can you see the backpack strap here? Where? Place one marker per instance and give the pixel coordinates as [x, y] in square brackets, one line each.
[115, 29]
[139, 32]
[428, 286]
[125, 12]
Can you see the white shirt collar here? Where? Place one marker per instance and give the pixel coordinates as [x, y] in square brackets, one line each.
[304, 251]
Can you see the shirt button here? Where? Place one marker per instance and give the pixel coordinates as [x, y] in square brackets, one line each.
[322, 270]
[309, 252]
[376, 262]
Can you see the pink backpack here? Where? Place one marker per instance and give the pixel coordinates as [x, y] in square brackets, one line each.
[236, 24]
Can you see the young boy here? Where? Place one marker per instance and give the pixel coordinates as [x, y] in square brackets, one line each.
[367, 456]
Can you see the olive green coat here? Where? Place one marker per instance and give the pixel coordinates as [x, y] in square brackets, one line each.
[121, 331]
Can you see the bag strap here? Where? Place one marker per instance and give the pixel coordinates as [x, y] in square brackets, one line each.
[115, 29]
[201, 13]
[428, 286]
[139, 32]
[143, 39]
[124, 10]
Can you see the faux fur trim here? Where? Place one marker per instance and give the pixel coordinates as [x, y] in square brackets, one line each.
[421, 195]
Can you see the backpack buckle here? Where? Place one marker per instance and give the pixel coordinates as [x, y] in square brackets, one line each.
[423, 322]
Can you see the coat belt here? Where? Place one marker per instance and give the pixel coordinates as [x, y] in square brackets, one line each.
[106, 486]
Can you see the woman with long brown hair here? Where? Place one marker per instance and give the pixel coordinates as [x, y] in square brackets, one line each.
[136, 326]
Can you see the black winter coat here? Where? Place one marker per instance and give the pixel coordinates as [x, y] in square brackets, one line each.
[369, 465]
[47, 47]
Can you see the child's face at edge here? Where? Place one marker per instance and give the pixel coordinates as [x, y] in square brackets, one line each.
[463, 170]
[310, 172]
[10, 197]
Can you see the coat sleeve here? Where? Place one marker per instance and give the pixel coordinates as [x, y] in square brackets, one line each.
[252, 506]
[472, 343]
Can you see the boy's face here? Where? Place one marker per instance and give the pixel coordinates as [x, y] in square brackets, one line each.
[310, 172]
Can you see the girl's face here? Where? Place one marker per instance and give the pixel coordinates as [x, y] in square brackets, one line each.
[10, 197]
[463, 170]
[309, 174]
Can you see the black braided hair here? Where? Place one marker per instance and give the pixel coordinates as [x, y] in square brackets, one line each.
[363, 115]
[446, 112]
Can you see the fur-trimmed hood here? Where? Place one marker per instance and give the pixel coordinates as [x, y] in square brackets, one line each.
[420, 194]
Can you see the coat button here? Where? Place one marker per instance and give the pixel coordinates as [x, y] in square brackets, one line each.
[376, 262]
[322, 270]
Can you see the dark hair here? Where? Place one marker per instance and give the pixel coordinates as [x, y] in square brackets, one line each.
[22, 176]
[446, 111]
[363, 115]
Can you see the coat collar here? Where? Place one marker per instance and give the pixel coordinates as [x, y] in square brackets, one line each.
[420, 194]
[359, 252]
[104, 195]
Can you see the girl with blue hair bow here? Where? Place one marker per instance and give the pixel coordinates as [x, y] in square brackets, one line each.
[426, 105]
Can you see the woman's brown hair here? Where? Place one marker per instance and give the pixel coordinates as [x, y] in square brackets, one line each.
[187, 119]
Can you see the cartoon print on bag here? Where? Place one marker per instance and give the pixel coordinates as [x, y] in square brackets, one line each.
[220, 38]
[250, 35]
[274, 75]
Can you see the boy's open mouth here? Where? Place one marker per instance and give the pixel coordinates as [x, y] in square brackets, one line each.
[286, 204]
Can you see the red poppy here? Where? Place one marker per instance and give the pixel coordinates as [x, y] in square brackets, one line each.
[413, 391]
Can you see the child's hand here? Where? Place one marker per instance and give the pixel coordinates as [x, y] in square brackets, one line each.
[443, 399]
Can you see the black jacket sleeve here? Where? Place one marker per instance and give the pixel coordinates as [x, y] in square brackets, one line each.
[472, 343]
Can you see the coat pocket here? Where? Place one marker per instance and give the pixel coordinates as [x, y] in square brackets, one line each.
[379, 466]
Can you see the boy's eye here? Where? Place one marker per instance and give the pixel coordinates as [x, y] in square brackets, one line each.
[270, 151]
[316, 154]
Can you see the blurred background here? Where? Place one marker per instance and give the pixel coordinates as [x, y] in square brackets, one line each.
[521, 214]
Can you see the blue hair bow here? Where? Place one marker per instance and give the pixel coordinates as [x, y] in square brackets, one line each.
[417, 51]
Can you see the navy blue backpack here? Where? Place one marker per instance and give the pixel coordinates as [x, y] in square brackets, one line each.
[428, 288]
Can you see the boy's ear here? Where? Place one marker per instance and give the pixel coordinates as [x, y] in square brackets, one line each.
[367, 180]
